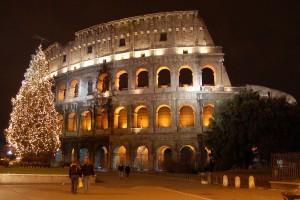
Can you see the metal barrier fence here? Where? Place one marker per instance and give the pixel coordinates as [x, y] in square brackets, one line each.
[285, 166]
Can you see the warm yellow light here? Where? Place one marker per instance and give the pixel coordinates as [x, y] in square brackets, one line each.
[88, 63]
[145, 53]
[207, 114]
[105, 58]
[203, 50]
[75, 66]
[159, 52]
[120, 118]
[164, 117]
[186, 117]
[182, 50]
[64, 70]
[122, 56]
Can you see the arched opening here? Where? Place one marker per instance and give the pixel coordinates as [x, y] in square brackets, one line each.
[86, 121]
[62, 92]
[141, 118]
[186, 117]
[163, 77]
[61, 123]
[163, 118]
[101, 119]
[208, 78]
[74, 88]
[208, 111]
[142, 79]
[187, 154]
[185, 77]
[164, 158]
[122, 80]
[141, 161]
[72, 126]
[120, 118]
[101, 158]
[187, 159]
[103, 83]
[119, 157]
[83, 155]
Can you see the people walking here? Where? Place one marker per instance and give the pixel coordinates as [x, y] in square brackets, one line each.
[127, 170]
[74, 173]
[87, 171]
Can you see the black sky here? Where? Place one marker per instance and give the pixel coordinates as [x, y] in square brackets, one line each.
[261, 39]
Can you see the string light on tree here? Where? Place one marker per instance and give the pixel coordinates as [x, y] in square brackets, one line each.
[34, 123]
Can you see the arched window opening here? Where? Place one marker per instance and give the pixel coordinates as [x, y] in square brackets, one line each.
[185, 77]
[141, 118]
[208, 111]
[186, 155]
[103, 83]
[74, 88]
[141, 161]
[102, 119]
[143, 79]
[187, 158]
[86, 121]
[101, 158]
[120, 118]
[164, 78]
[186, 117]
[164, 117]
[164, 158]
[72, 122]
[62, 92]
[123, 81]
[208, 78]
[119, 156]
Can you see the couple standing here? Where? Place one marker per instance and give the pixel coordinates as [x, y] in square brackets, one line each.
[85, 172]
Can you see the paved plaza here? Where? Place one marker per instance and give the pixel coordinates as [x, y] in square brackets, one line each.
[136, 187]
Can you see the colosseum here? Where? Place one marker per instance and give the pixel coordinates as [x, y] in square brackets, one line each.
[140, 91]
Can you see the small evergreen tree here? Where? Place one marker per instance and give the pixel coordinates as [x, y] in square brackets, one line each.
[34, 124]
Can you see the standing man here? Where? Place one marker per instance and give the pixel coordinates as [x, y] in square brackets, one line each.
[87, 171]
[74, 173]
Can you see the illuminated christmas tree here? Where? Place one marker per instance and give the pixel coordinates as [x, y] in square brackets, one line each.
[34, 124]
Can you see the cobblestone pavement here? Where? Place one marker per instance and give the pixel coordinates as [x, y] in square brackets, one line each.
[136, 187]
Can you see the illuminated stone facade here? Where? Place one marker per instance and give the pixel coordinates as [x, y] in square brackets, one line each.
[139, 91]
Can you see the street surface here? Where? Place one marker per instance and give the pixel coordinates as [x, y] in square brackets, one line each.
[136, 187]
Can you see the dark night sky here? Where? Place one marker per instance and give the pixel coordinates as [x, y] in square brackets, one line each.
[261, 39]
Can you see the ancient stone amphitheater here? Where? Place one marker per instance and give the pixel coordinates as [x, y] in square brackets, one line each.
[140, 91]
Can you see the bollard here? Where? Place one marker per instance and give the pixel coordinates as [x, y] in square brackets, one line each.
[203, 178]
[237, 182]
[225, 181]
[209, 177]
[251, 182]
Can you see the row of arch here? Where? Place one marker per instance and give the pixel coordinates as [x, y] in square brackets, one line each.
[164, 155]
[141, 119]
[163, 80]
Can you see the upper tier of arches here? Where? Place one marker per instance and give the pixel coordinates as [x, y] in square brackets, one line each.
[140, 78]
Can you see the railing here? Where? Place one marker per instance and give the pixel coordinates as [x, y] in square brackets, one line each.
[285, 165]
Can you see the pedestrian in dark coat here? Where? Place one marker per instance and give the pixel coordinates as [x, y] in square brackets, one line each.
[74, 173]
[87, 171]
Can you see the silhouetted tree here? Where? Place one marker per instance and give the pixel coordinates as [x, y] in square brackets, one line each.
[249, 121]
